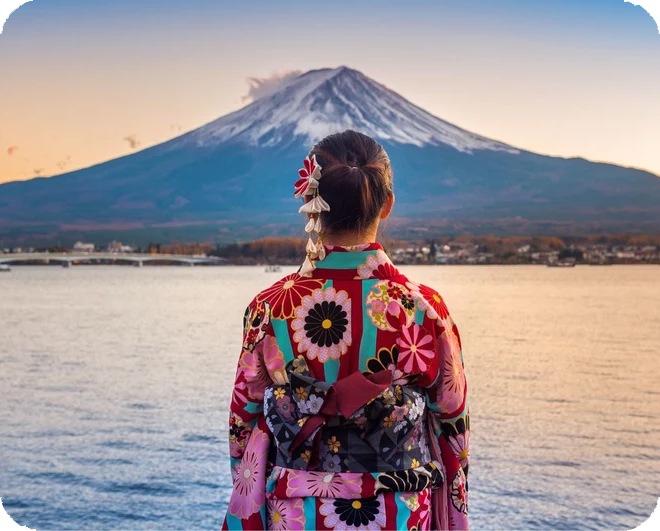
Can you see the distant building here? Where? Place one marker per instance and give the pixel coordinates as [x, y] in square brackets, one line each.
[444, 258]
[117, 247]
[648, 253]
[544, 257]
[485, 258]
[83, 247]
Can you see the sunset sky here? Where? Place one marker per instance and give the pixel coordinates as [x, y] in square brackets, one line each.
[84, 81]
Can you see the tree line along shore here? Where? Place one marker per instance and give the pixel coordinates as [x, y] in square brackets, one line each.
[596, 250]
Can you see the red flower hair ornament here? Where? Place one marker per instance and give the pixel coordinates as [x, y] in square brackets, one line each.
[309, 177]
[308, 185]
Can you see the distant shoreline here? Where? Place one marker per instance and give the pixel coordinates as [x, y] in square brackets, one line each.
[565, 251]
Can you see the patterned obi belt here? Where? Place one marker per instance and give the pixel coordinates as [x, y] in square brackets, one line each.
[358, 424]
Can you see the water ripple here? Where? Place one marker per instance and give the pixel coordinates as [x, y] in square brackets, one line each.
[114, 414]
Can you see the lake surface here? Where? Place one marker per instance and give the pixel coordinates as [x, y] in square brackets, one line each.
[116, 384]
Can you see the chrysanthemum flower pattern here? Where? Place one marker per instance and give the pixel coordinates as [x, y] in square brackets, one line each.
[286, 294]
[249, 493]
[323, 325]
[460, 444]
[429, 300]
[286, 515]
[416, 349]
[366, 514]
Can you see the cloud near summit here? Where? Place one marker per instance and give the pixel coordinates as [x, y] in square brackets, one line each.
[262, 86]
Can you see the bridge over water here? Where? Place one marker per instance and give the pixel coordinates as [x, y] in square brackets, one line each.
[138, 259]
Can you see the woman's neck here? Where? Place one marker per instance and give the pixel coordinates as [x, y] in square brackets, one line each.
[349, 239]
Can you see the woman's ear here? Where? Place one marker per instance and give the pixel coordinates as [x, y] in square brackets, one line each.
[387, 207]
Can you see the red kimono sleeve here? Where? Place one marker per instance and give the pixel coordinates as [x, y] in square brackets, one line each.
[249, 437]
[447, 401]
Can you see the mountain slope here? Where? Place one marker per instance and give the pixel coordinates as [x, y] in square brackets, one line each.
[233, 177]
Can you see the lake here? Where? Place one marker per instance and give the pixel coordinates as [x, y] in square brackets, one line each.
[116, 384]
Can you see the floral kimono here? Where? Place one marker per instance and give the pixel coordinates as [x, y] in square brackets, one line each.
[350, 408]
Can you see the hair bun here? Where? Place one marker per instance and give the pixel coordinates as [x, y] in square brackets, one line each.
[355, 203]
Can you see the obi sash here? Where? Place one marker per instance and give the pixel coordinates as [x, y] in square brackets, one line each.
[361, 423]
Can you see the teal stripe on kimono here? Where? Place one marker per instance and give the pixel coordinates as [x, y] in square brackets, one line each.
[233, 522]
[402, 512]
[271, 483]
[369, 330]
[281, 329]
[254, 407]
[331, 370]
[419, 316]
[344, 260]
[233, 462]
[309, 508]
[330, 367]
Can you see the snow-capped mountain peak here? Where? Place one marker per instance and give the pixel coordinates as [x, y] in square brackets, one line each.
[319, 102]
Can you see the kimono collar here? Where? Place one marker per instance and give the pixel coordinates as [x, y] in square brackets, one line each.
[363, 261]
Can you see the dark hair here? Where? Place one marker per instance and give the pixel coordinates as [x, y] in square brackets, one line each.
[357, 180]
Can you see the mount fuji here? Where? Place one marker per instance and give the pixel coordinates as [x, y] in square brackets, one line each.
[322, 102]
[233, 178]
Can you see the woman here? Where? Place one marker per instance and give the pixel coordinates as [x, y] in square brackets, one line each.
[349, 409]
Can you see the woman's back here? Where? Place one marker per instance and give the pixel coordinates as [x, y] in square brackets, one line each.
[349, 409]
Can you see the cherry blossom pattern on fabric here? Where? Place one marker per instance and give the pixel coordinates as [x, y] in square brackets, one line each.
[429, 301]
[388, 304]
[416, 349]
[301, 483]
[286, 514]
[410, 500]
[284, 407]
[376, 266]
[460, 444]
[458, 493]
[249, 477]
[323, 324]
[239, 431]
[274, 360]
[344, 514]
[256, 321]
[285, 295]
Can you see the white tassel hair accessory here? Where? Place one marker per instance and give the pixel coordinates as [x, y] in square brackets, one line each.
[308, 185]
